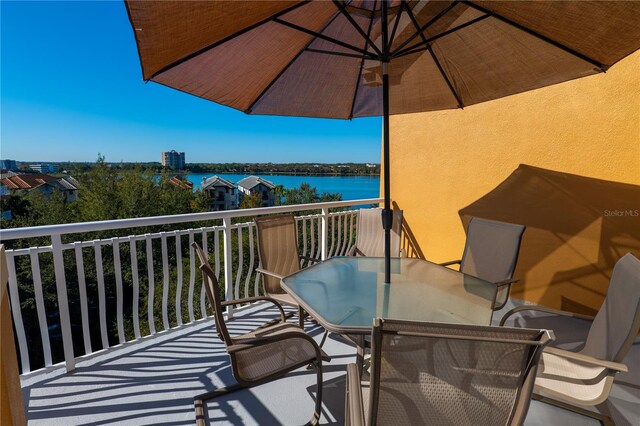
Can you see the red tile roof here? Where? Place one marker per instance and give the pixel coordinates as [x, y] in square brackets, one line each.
[181, 182]
[26, 181]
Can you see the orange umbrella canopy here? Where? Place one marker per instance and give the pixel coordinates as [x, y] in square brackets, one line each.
[358, 58]
[323, 58]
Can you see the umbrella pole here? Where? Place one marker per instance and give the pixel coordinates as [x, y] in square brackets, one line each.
[387, 216]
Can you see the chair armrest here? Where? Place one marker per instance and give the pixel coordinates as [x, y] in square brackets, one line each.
[507, 282]
[256, 299]
[355, 251]
[271, 274]
[615, 366]
[354, 407]
[310, 259]
[451, 262]
[546, 310]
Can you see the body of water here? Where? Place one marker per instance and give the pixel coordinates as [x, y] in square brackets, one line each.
[351, 187]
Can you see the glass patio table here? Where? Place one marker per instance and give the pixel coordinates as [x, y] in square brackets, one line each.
[345, 294]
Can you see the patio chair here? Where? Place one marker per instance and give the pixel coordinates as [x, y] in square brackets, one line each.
[434, 373]
[262, 355]
[370, 234]
[584, 378]
[279, 257]
[491, 253]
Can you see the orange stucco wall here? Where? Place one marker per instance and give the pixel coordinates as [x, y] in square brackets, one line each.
[443, 161]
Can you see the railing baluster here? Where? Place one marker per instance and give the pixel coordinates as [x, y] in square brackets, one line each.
[216, 241]
[16, 311]
[192, 277]
[119, 295]
[347, 236]
[151, 280]
[228, 267]
[332, 236]
[165, 281]
[313, 253]
[63, 302]
[341, 238]
[179, 279]
[102, 309]
[236, 291]
[251, 262]
[203, 306]
[338, 251]
[319, 231]
[42, 315]
[256, 281]
[323, 233]
[304, 242]
[82, 293]
[136, 286]
[352, 227]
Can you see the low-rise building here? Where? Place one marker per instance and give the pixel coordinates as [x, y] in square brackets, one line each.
[221, 192]
[46, 184]
[256, 185]
[44, 168]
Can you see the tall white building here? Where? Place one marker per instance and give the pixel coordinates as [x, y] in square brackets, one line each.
[173, 159]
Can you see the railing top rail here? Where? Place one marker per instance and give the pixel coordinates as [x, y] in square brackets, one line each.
[74, 228]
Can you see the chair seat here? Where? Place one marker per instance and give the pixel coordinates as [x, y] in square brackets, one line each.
[570, 379]
[274, 358]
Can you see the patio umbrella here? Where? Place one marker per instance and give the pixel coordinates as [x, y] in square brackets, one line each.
[359, 58]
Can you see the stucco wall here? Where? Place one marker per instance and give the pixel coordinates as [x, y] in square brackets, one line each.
[444, 161]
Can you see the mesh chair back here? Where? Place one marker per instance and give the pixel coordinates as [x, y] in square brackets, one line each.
[618, 321]
[491, 252]
[278, 249]
[212, 290]
[370, 233]
[429, 373]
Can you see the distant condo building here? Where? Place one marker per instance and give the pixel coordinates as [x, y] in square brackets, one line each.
[44, 168]
[173, 159]
[255, 185]
[8, 165]
[221, 192]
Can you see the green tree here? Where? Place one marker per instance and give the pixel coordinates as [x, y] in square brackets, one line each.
[306, 194]
[251, 201]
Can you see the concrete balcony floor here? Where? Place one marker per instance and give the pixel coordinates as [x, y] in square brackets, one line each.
[154, 381]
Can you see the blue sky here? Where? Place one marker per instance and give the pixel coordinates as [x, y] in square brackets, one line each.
[71, 88]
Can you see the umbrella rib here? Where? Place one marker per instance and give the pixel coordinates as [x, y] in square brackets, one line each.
[355, 25]
[403, 4]
[283, 70]
[446, 78]
[424, 45]
[355, 92]
[425, 26]
[539, 36]
[324, 37]
[435, 59]
[328, 52]
[224, 40]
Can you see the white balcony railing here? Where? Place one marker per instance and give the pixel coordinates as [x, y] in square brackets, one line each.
[170, 281]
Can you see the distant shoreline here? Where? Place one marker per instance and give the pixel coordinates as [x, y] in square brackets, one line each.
[278, 174]
[268, 169]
